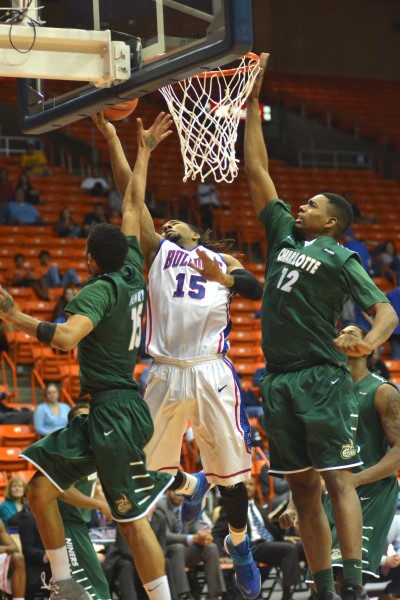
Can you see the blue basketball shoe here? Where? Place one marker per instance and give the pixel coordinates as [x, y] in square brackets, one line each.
[193, 506]
[248, 578]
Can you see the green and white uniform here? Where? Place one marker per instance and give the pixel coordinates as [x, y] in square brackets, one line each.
[378, 499]
[85, 566]
[110, 440]
[310, 408]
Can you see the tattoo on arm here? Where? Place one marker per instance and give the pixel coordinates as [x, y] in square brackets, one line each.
[6, 304]
[391, 416]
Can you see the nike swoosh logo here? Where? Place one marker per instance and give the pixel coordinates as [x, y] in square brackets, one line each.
[222, 388]
[369, 498]
[335, 381]
[106, 433]
[155, 587]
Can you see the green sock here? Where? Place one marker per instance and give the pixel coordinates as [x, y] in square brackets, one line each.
[324, 580]
[352, 570]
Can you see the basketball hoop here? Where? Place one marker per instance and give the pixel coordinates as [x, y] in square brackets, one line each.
[207, 117]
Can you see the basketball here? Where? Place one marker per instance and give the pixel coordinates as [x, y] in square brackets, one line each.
[120, 111]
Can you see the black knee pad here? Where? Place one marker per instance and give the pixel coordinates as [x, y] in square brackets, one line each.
[235, 502]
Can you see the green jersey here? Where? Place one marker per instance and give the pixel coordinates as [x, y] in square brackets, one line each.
[370, 437]
[74, 513]
[307, 285]
[114, 303]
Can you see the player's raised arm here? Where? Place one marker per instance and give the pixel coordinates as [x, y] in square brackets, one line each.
[133, 203]
[261, 186]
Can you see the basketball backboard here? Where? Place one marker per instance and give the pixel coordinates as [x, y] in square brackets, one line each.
[177, 38]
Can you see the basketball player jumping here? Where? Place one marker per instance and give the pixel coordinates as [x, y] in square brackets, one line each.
[188, 324]
[309, 402]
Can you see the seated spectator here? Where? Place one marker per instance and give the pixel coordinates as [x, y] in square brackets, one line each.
[377, 365]
[281, 489]
[207, 198]
[34, 161]
[66, 226]
[358, 216]
[51, 414]
[187, 546]
[21, 212]
[36, 561]
[6, 195]
[31, 195]
[352, 243]
[12, 566]
[252, 403]
[94, 217]
[22, 276]
[60, 315]
[114, 203]
[268, 543]
[119, 567]
[51, 275]
[95, 185]
[14, 499]
[386, 261]
[394, 298]
[390, 563]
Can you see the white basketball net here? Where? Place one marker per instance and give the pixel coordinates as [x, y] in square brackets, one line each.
[207, 118]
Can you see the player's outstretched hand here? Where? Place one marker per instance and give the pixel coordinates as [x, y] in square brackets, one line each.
[106, 128]
[255, 92]
[160, 130]
[352, 346]
[6, 302]
[210, 269]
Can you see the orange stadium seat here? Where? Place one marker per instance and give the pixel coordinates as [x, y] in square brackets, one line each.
[9, 460]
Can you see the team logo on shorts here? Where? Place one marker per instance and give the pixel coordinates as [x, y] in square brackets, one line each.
[336, 554]
[348, 450]
[123, 504]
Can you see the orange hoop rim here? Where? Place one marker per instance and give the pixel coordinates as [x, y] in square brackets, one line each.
[233, 71]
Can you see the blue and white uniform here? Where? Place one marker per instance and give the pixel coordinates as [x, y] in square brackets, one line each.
[188, 324]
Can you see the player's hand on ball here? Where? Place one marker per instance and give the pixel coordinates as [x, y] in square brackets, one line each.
[352, 346]
[106, 128]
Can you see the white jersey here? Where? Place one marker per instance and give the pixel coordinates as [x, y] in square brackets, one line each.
[187, 315]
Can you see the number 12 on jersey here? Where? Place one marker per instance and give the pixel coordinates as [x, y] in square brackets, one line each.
[287, 280]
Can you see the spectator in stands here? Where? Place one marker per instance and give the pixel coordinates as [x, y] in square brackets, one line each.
[52, 276]
[114, 203]
[31, 195]
[21, 276]
[394, 297]
[386, 261]
[36, 561]
[51, 414]
[14, 499]
[95, 185]
[281, 489]
[66, 226]
[12, 566]
[94, 217]
[188, 546]
[119, 567]
[59, 315]
[21, 212]
[252, 403]
[207, 198]
[6, 195]
[352, 243]
[34, 161]
[390, 563]
[268, 543]
[358, 216]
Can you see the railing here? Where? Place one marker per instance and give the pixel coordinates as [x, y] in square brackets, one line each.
[36, 381]
[335, 159]
[5, 358]
[15, 145]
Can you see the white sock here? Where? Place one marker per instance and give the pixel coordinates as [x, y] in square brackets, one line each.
[237, 537]
[59, 563]
[158, 589]
[189, 485]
